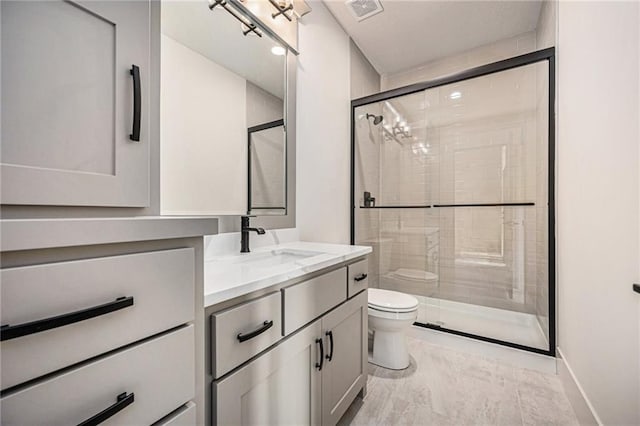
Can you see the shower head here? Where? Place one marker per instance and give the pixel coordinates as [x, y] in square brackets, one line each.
[377, 119]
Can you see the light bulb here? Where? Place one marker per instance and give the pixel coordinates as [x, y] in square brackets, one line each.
[278, 50]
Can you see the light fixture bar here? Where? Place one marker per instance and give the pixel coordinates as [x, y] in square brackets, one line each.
[251, 27]
[281, 10]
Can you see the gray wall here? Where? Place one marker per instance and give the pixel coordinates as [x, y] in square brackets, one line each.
[365, 80]
[262, 106]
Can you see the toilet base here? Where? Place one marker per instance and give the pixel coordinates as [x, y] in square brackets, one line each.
[390, 350]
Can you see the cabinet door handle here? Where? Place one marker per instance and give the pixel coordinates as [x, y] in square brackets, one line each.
[330, 355]
[8, 332]
[137, 103]
[636, 288]
[264, 327]
[319, 364]
[360, 277]
[122, 402]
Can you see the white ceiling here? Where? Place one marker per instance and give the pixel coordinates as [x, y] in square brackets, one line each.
[409, 33]
[217, 36]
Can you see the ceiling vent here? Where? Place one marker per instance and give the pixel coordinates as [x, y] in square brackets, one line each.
[363, 9]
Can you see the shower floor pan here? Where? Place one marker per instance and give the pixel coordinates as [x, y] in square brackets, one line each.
[516, 327]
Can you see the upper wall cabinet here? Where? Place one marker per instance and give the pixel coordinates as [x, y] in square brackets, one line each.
[75, 103]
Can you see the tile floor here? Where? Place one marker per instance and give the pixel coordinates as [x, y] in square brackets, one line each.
[443, 386]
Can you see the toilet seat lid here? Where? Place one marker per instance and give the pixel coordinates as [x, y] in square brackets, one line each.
[391, 301]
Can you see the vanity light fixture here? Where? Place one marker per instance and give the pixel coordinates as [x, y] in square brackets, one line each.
[283, 6]
[247, 26]
[278, 50]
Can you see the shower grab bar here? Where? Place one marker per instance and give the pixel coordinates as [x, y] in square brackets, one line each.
[436, 206]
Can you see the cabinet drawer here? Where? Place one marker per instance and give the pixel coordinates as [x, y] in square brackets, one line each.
[357, 279]
[159, 284]
[257, 323]
[159, 373]
[308, 300]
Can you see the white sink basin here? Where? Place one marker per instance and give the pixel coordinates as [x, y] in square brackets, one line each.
[275, 257]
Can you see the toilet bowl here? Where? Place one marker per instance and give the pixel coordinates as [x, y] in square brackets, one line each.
[390, 315]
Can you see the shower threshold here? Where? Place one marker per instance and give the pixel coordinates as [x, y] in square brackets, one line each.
[516, 329]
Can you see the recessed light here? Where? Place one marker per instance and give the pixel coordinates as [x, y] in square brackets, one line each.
[455, 95]
[278, 50]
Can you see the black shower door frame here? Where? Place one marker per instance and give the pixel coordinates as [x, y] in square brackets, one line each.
[495, 67]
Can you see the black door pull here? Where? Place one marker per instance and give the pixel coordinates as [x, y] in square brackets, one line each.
[636, 288]
[360, 277]
[319, 364]
[330, 354]
[264, 327]
[8, 332]
[137, 103]
[123, 401]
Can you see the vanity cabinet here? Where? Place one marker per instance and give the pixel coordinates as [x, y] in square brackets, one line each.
[345, 370]
[75, 103]
[281, 387]
[109, 328]
[312, 374]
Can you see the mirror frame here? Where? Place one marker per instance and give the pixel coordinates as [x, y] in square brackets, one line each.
[231, 223]
[287, 220]
[250, 132]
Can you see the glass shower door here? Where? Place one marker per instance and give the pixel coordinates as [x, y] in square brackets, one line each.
[456, 177]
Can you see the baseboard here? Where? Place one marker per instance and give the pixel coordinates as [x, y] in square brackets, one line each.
[585, 412]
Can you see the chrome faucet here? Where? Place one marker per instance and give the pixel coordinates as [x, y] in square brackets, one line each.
[244, 240]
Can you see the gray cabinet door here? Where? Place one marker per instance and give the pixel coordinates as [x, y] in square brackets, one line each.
[67, 103]
[280, 387]
[345, 374]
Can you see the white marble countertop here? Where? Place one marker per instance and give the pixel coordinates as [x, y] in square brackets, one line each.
[226, 277]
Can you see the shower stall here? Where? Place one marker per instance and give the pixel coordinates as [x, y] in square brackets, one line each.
[452, 187]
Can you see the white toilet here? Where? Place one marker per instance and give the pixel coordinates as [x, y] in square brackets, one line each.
[390, 315]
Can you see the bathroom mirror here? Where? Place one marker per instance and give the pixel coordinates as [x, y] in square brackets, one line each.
[267, 169]
[221, 76]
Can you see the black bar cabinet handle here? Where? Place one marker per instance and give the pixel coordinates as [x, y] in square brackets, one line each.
[8, 332]
[636, 288]
[123, 401]
[330, 355]
[264, 327]
[137, 103]
[319, 364]
[360, 277]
